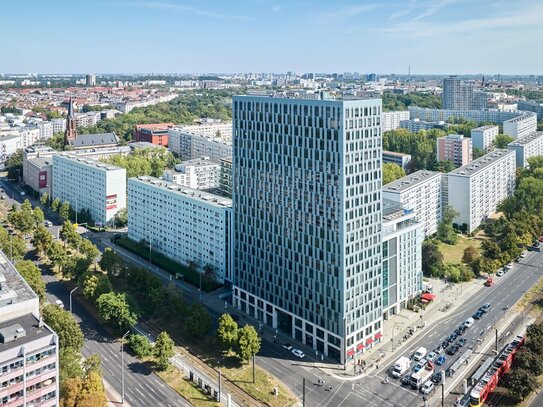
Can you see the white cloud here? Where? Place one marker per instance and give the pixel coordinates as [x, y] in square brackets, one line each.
[342, 13]
[181, 8]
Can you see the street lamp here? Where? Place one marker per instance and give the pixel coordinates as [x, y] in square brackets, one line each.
[71, 292]
[122, 366]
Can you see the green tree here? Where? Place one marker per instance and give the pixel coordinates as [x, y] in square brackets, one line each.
[94, 284]
[14, 165]
[69, 235]
[64, 324]
[39, 217]
[227, 331]
[42, 239]
[248, 342]
[55, 205]
[57, 254]
[534, 335]
[392, 172]
[198, 321]
[432, 259]
[70, 364]
[163, 350]
[470, 254]
[502, 140]
[477, 153]
[111, 263]
[444, 166]
[64, 210]
[121, 218]
[89, 250]
[13, 246]
[530, 361]
[114, 307]
[32, 276]
[520, 383]
[445, 230]
[140, 346]
[44, 198]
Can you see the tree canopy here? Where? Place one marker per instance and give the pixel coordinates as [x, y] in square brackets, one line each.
[64, 324]
[392, 172]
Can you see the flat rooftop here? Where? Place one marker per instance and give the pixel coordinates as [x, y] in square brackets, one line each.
[480, 164]
[13, 288]
[195, 194]
[41, 161]
[32, 331]
[410, 181]
[396, 154]
[91, 163]
[483, 128]
[526, 139]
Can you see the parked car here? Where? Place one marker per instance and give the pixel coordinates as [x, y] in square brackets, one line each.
[523, 254]
[461, 342]
[441, 359]
[485, 307]
[59, 304]
[420, 353]
[509, 266]
[469, 323]
[500, 273]
[418, 367]
[453, 350]
[287, 346]
[431, 356]
[298, 353]
[427, 388]
[436, 377]
[489, 282]
[48, 223]
[478, 314]
[541, 239]
[406, 379]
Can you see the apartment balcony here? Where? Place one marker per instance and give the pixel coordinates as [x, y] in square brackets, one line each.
[41, 378]
[10, 375]
[14, 388]
[41, 392]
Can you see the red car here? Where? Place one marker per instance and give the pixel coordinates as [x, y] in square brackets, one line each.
[541, 239]
[489, 282]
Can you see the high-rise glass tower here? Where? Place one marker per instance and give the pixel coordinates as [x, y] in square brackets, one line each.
[307, 219]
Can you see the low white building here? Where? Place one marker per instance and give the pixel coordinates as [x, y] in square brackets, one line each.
[526, 147]
[483, 137]
[393, 157]
[89, 184]
[476, 189]
[59, 125]
[189, 144]
[181, 223]
[9, 144]
[402, 257]
[391, 120]
[195, 174]
[421, 193]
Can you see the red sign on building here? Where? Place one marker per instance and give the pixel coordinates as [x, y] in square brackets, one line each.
[42, 180]
[111, 202]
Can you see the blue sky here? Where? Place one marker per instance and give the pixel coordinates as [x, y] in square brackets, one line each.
[432, 36]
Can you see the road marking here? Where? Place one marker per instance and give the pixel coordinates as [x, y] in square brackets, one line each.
[366, 402]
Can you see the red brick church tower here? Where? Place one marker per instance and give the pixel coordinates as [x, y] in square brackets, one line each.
[71, 131]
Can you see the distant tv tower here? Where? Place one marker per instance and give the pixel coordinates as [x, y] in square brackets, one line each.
[409, 72]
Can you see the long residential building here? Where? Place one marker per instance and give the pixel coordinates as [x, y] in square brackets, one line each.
[526, 147]
[184, 224]
[89, 184]
[421, 193]
[483, 137]
[307, 193]
[391, 120]
[476, 189]
[29, 349]
[402, 257]
[416, 125]
[531, 106]
[515, 124]
[188, 144]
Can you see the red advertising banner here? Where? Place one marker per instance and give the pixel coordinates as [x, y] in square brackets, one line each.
[42, 180]
[111, 202]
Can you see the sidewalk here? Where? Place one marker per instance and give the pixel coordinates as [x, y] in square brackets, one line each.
[396, 330]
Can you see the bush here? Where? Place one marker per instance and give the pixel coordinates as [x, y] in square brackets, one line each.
[140, 346]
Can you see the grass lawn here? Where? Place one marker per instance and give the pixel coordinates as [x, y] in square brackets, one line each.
[186, 388]
[453, 254]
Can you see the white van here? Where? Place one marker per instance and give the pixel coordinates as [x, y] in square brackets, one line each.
[401, 366]
[420, 353]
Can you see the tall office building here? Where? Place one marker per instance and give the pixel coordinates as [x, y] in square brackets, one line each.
[455, 148]
[90, 80]
[307, 219]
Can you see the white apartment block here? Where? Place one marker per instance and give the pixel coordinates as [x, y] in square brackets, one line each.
[402, 257]
[421, 193]
[476, 189]
[483, 137]
[59, 125]
[189, 145]
[45, 128]
[393, 157]
[515, 124]
[195, 174]
[307, 192]
[417, 125]
[391, 120]
[28, 135]
[526, 147]
[89, 184]
[181, 223]
[9, 144]
[211, 128]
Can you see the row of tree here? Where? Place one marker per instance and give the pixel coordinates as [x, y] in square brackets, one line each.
[245, 341]
[521, 381]
[145, 161]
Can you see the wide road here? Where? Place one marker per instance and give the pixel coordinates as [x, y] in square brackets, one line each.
[142, 387]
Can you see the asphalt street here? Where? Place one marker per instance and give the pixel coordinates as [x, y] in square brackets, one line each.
[142, 387]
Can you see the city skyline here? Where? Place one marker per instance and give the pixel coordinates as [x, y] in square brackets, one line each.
[274, 36]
